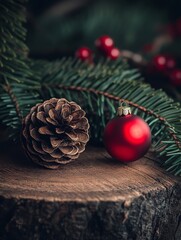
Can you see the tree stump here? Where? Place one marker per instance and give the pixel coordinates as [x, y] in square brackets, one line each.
[92, 198]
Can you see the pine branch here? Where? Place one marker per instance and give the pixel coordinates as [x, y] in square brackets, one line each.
[18, 85]
[15, 102]
[99, 88]
[118, 99]
[13, 49]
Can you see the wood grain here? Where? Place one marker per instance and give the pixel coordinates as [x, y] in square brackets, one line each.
[91, 198]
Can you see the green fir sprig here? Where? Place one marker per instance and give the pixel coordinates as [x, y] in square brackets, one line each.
[16, 76]
[99, 88]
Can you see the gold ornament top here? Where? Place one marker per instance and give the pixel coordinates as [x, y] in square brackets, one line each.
[123, 110]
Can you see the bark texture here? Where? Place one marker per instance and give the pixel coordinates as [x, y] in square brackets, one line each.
[94, 198]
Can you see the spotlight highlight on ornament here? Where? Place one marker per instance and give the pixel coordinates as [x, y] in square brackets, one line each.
[136, 133]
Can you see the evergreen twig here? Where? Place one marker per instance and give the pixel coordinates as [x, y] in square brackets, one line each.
[13, 98]
[99, 88]
[110, 96]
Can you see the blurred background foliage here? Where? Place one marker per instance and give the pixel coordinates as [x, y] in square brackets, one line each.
[65, 25]
[57, 28]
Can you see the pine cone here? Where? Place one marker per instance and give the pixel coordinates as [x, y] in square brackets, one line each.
[55, 132]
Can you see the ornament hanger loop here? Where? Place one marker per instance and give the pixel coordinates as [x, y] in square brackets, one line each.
[124, 108]
[123, 103]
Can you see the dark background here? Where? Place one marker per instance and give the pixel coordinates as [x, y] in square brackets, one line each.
[58, 28]
[65, 25]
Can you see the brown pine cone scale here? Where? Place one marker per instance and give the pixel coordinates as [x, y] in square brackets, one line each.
[55, 132]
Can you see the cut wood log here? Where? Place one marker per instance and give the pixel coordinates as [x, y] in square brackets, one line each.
[93, 198]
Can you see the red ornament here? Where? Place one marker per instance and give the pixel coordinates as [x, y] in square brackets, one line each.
[84, 54]
[104, 43]
[175, 77]
[164, 63]
[127, 137]
[113, 53]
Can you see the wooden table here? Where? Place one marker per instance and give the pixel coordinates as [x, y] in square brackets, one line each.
[91, 198]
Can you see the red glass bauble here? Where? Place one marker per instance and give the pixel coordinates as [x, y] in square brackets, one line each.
[84, 54]
[113, 53]
[175, 77]
[104, 43]
[127, 138]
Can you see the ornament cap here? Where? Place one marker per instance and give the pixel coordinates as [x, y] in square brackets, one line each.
[123, 110]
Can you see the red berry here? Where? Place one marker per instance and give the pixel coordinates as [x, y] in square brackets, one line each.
[170, 63]
[175, 77]
[159, 62]
[84, 53]
[104, 43]
[113, 53]
[164, 63]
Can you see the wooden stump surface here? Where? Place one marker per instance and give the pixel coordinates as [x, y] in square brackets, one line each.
[91, 198]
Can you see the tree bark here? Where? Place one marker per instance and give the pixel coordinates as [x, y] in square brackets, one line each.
[93, 198]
